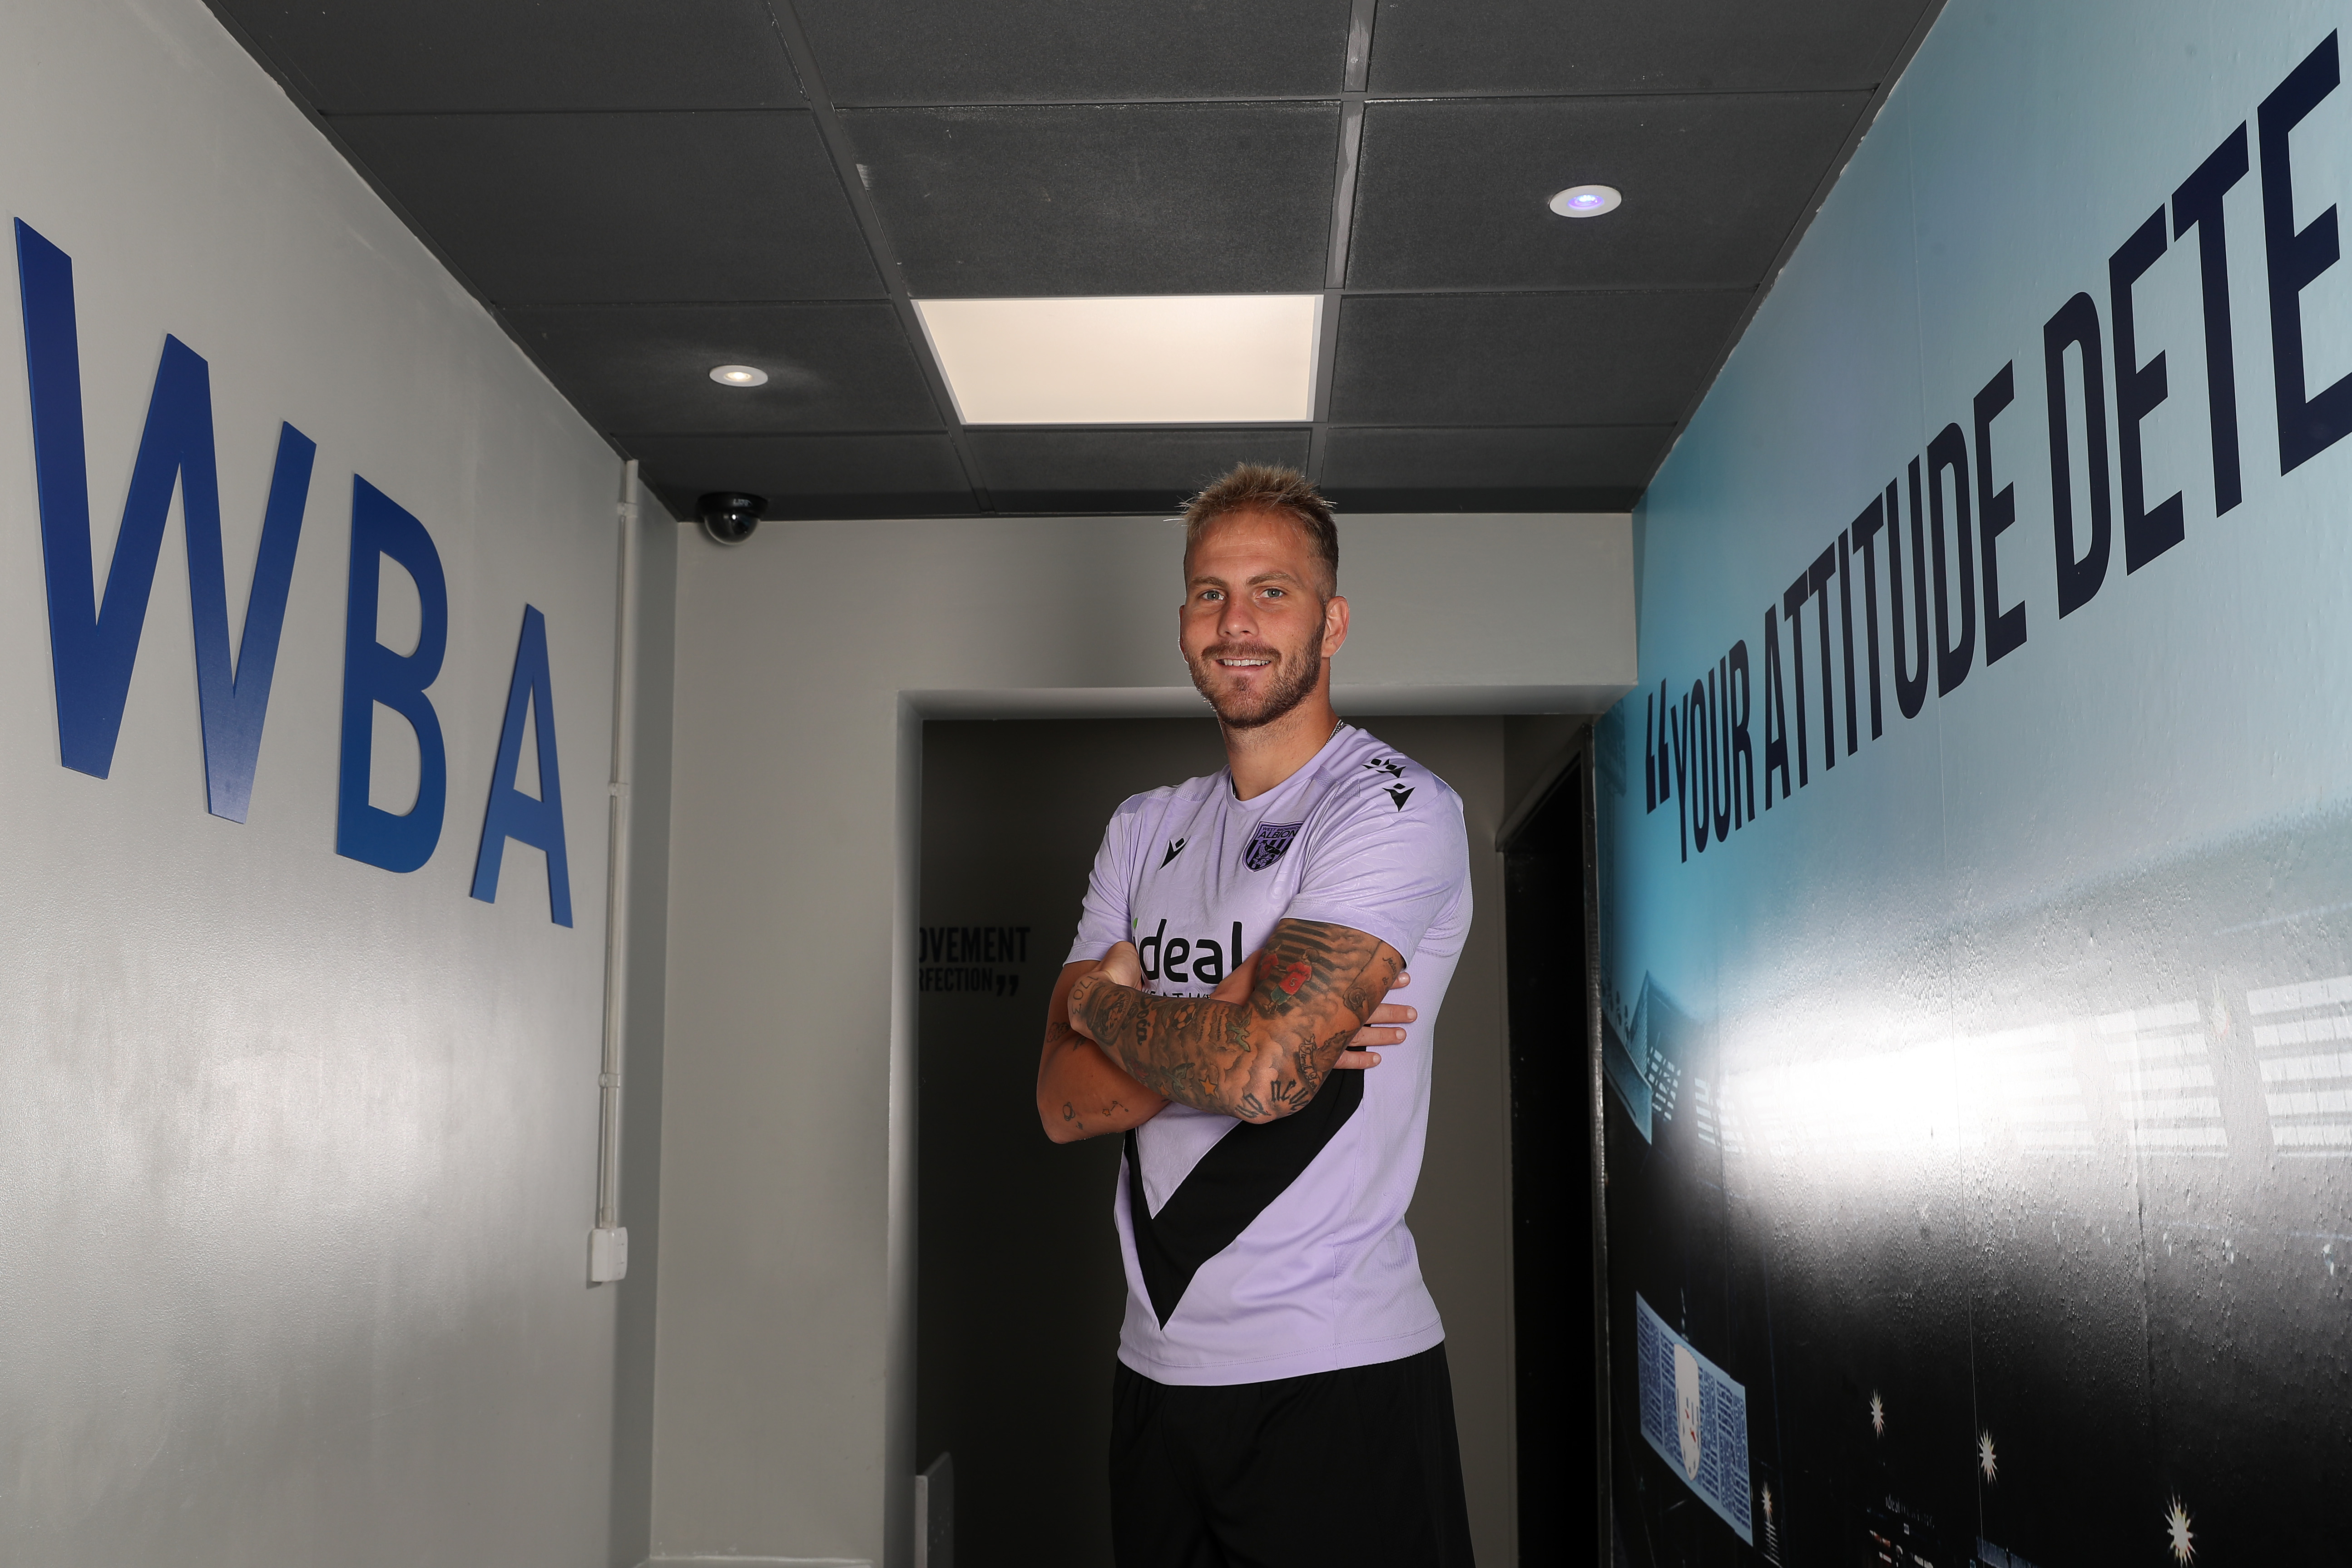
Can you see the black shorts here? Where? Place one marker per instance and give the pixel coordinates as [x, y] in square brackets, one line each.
[1359, 1468]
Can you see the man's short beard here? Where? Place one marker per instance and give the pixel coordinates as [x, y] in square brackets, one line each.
[1295, 676]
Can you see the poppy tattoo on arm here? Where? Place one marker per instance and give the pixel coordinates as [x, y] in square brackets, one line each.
[1266, 1058]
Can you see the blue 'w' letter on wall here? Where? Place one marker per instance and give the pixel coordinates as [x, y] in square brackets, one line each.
[372, 673]
[93, 646]
[512, 813]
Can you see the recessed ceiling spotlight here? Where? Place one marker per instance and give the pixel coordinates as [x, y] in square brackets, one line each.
[739, 375]
[1586, 201]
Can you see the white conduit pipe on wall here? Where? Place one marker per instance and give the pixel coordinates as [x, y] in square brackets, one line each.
[608, 1244]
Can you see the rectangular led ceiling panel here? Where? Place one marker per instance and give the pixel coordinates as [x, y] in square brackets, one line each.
[1160, 359]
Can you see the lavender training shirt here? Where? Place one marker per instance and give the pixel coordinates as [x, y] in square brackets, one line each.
[1274, 1251]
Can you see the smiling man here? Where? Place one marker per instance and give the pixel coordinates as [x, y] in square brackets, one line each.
[1282, 1396]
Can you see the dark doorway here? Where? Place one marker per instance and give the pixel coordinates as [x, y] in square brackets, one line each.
[1547, 919]
[1018, 1284]
[1019, 1287]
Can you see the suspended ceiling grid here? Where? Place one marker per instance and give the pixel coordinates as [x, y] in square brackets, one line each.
[642, 191]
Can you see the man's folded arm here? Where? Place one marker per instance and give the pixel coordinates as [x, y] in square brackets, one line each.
[1256, 1059]
[1081, 1092]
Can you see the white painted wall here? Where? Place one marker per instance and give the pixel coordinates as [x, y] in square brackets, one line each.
[297, 1153]
[805, 659]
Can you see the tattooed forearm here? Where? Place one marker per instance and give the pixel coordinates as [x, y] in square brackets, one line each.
[1316, 983]
[1081, 1092]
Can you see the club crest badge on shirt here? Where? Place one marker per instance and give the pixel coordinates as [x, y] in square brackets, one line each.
[1266, 844]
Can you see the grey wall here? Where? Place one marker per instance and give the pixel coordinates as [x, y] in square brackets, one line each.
[298, 1152]
[648, 955]
[1019, 1289]
[783, 1406]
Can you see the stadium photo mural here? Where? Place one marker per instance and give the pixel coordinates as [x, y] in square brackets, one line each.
[1975, 865]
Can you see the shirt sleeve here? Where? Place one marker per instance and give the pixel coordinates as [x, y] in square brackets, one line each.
[1102, 917]
[1388, 871]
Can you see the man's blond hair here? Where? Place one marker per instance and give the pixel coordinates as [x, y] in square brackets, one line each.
[1262, 487]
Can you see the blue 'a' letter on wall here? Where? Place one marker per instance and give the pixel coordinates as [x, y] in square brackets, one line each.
[373, 674]
[512, 813]
[93, 645]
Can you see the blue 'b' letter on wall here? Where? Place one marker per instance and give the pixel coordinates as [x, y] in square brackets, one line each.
[93, 645]
[512, 813]
[373, 674]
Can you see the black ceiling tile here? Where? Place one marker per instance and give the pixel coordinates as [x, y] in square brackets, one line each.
[1474, 461]
[568, 208]
[1228, 198]
[1452, 194]
[1528, 358]
[809, 476]
[1013, 51]
[1636, 46]
[831, 366]
[358, 57]
[1136, 468]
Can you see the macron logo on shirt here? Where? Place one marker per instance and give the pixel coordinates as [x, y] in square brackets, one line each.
[1175, 848]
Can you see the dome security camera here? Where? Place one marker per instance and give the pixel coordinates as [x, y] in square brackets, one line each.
[729, 516]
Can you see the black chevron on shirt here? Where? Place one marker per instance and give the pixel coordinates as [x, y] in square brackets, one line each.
[1247, 1169]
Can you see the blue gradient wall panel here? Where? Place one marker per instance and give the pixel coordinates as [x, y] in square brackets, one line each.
[1981, 1100]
